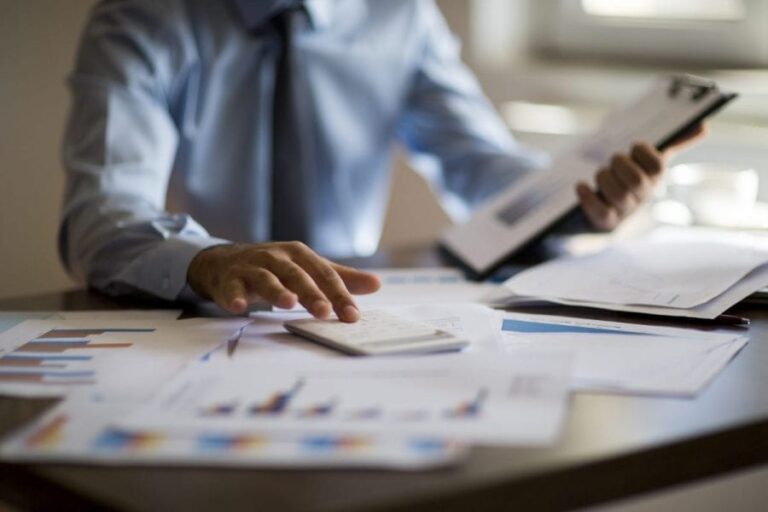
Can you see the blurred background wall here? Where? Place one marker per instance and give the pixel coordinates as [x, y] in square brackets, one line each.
[37, 42]
[552, 67]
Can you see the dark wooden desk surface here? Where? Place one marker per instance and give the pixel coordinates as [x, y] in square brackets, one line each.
[611, 447]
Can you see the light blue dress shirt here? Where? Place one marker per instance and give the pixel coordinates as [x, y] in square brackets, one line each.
[167, 146]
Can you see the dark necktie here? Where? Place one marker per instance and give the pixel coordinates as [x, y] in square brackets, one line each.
[291, 158]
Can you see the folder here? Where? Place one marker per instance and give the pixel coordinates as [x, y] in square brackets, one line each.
[530, 206]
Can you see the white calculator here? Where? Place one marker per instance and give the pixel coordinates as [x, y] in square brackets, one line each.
[377, 333]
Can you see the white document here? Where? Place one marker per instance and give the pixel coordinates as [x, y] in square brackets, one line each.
[708, 311]
[626, 358]
[668, 274]
[51, 357]
[79, 431]
[469, 398]
[416, 286]
[529, 206]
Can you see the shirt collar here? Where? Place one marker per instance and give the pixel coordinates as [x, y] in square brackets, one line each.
[254, 13]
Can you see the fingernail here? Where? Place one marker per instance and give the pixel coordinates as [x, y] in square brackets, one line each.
[239, 305]
[286, 300]
[320, 308]
[350, 313]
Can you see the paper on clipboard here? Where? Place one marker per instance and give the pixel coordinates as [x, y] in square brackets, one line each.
[529, 206]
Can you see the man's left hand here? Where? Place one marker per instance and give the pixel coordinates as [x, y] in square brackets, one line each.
[628, 181]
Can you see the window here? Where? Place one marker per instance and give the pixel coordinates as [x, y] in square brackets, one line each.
[732, 33]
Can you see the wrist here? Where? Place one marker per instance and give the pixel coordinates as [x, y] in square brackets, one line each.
[201, 267]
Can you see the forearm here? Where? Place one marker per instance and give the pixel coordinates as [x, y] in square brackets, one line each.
[124, 250]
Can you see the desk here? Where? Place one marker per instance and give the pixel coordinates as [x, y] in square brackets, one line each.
[611, 447]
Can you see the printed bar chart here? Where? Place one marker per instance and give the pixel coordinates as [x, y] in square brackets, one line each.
[283, 403]
[48, 359]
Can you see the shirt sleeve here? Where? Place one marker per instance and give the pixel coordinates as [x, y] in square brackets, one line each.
[451, 128]
[118, 152]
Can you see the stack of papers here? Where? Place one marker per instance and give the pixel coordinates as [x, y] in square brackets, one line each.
[691, 277]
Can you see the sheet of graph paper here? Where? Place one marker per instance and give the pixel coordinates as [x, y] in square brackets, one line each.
[483, 398]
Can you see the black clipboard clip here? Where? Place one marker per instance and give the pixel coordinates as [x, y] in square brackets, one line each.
[698, 86]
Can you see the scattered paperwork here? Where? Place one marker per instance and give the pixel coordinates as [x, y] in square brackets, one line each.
[133, 359]
[145, 388]
[485, 398]
[625, 358]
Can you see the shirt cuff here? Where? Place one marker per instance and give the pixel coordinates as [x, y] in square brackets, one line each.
[166, 275]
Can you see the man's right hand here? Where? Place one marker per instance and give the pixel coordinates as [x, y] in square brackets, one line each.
[282, 273]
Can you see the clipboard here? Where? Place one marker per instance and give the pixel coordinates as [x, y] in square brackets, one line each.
[525, 210]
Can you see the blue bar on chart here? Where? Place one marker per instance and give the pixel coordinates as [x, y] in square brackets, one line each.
[526, 326]
[278, 402]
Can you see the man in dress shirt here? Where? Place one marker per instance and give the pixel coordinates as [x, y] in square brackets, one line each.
[269, 124]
